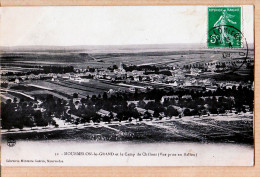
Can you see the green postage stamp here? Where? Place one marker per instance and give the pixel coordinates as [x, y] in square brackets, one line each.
[224, 27]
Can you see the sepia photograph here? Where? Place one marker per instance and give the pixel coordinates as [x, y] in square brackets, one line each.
[127, 86]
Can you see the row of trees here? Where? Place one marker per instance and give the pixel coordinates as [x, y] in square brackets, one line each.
[18, 115]
[21, 114]
[43, 70]
[117, 103]
[141, 68]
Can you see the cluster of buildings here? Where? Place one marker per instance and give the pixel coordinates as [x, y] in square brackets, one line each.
[189, 78]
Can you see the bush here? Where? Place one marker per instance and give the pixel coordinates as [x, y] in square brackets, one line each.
[187, 112]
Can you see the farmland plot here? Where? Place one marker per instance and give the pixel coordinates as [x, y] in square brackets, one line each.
[99, 86]
[60, 88]
[83, 89]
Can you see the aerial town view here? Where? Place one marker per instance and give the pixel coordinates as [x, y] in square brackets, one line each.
[134, 93]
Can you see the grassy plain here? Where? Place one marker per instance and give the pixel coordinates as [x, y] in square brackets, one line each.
[96, 58]
[186, 130]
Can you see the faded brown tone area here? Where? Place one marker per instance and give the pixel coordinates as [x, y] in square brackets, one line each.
[150, 171]
[121, 2]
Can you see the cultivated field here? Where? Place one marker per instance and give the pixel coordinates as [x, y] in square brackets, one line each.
[69, 87]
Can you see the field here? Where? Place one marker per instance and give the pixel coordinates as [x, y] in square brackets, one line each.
[63, 89]
[24, 88]
[40, 94]
[68, 87]
[217, 129]
[5, 96]
[97, 57]
[18, 69]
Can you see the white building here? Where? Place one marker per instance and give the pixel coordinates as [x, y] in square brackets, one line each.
[172, 97]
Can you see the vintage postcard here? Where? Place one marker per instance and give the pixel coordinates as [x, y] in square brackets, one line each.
[127, 86]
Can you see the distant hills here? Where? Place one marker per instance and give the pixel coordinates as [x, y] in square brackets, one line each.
[110, 48]
[105, 48]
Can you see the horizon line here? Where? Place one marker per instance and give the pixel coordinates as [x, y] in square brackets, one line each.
[98, 45]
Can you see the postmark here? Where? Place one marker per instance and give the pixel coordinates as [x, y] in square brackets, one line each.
[224, 33]
[224, 24]
[231, 53]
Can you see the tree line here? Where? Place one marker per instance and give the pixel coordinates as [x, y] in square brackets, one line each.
[87, 109]
[43, 70]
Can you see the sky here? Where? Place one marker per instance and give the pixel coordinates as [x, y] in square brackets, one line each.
[118, 25]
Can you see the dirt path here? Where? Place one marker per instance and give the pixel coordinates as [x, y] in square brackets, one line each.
[41, 87]
[174, 130]
[212, 125]
[106, 126]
